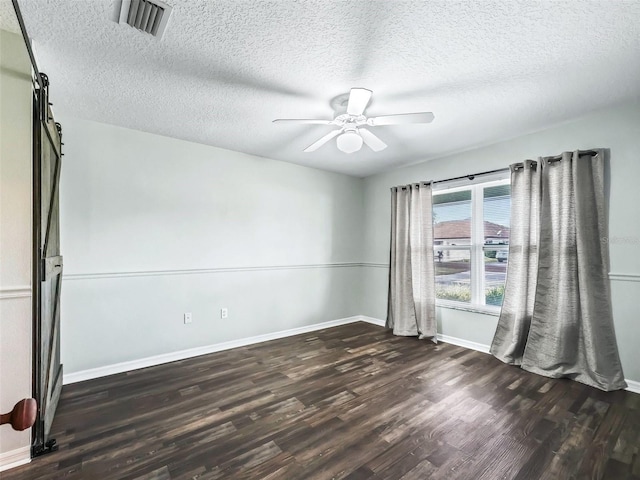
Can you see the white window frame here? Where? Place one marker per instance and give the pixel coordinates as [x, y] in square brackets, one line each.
[477, 247]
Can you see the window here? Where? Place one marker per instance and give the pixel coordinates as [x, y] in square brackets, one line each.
[471, 244]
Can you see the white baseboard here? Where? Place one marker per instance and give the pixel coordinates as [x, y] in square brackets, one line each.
[374, 321]
[461, 342]
[15, 458]
[442, 338]
[633, 386]
[92, 373]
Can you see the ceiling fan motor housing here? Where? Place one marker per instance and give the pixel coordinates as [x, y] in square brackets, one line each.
[345, 119]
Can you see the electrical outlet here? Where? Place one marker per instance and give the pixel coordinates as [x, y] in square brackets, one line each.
[187, 317]
[224, 312]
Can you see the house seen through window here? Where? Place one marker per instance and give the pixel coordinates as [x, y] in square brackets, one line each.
[471, 244]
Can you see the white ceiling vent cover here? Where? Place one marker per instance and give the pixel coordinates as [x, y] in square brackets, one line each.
[145, 15]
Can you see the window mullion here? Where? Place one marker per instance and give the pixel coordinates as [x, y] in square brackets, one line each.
[477, 242]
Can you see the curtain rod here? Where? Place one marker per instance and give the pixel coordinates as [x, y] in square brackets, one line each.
[499, 170]
[470, 177]
[473, 175]
[557, 158]
[581, 152]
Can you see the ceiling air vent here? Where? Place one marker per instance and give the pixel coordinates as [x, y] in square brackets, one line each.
[145, 15]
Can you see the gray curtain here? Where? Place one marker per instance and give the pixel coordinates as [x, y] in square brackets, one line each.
[412, 306]
[556, 319]
[517, 306]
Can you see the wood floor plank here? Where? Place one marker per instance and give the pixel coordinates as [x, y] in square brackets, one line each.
[352, 402]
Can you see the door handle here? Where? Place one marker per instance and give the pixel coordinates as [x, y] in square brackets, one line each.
[22, 416]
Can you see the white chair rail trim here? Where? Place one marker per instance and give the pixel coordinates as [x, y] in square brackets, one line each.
[200, 271]
[624, 277]
[19, 291]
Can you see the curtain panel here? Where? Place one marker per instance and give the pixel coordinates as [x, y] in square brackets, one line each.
[412, 306]
[522, 270]
[556, 319]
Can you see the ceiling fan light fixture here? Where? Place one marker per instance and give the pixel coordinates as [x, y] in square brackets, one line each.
[349, 142]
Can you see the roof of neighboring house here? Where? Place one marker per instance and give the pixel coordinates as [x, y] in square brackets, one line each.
[462, 229]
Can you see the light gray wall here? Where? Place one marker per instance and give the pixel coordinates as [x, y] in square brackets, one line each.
[615, 128]
[15, 238]
[153, 227]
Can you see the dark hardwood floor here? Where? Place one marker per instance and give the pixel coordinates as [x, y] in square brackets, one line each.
[351, 402]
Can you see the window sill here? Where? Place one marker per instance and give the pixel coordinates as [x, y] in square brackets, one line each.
[485, 310]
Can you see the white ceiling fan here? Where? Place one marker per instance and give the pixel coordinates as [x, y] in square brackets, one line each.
[351, 131]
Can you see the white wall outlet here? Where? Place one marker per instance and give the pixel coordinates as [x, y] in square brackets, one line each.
[187, 317]
[224, 312]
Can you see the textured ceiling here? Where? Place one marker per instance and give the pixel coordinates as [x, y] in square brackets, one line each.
[489, 70]
[8, 19]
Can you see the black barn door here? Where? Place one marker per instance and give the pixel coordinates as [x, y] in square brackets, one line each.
[47, 267]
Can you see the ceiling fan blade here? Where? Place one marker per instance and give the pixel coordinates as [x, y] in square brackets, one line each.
[373, 142]
[316, 145]
[401, 119]
[303, 120]
[358, 101]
